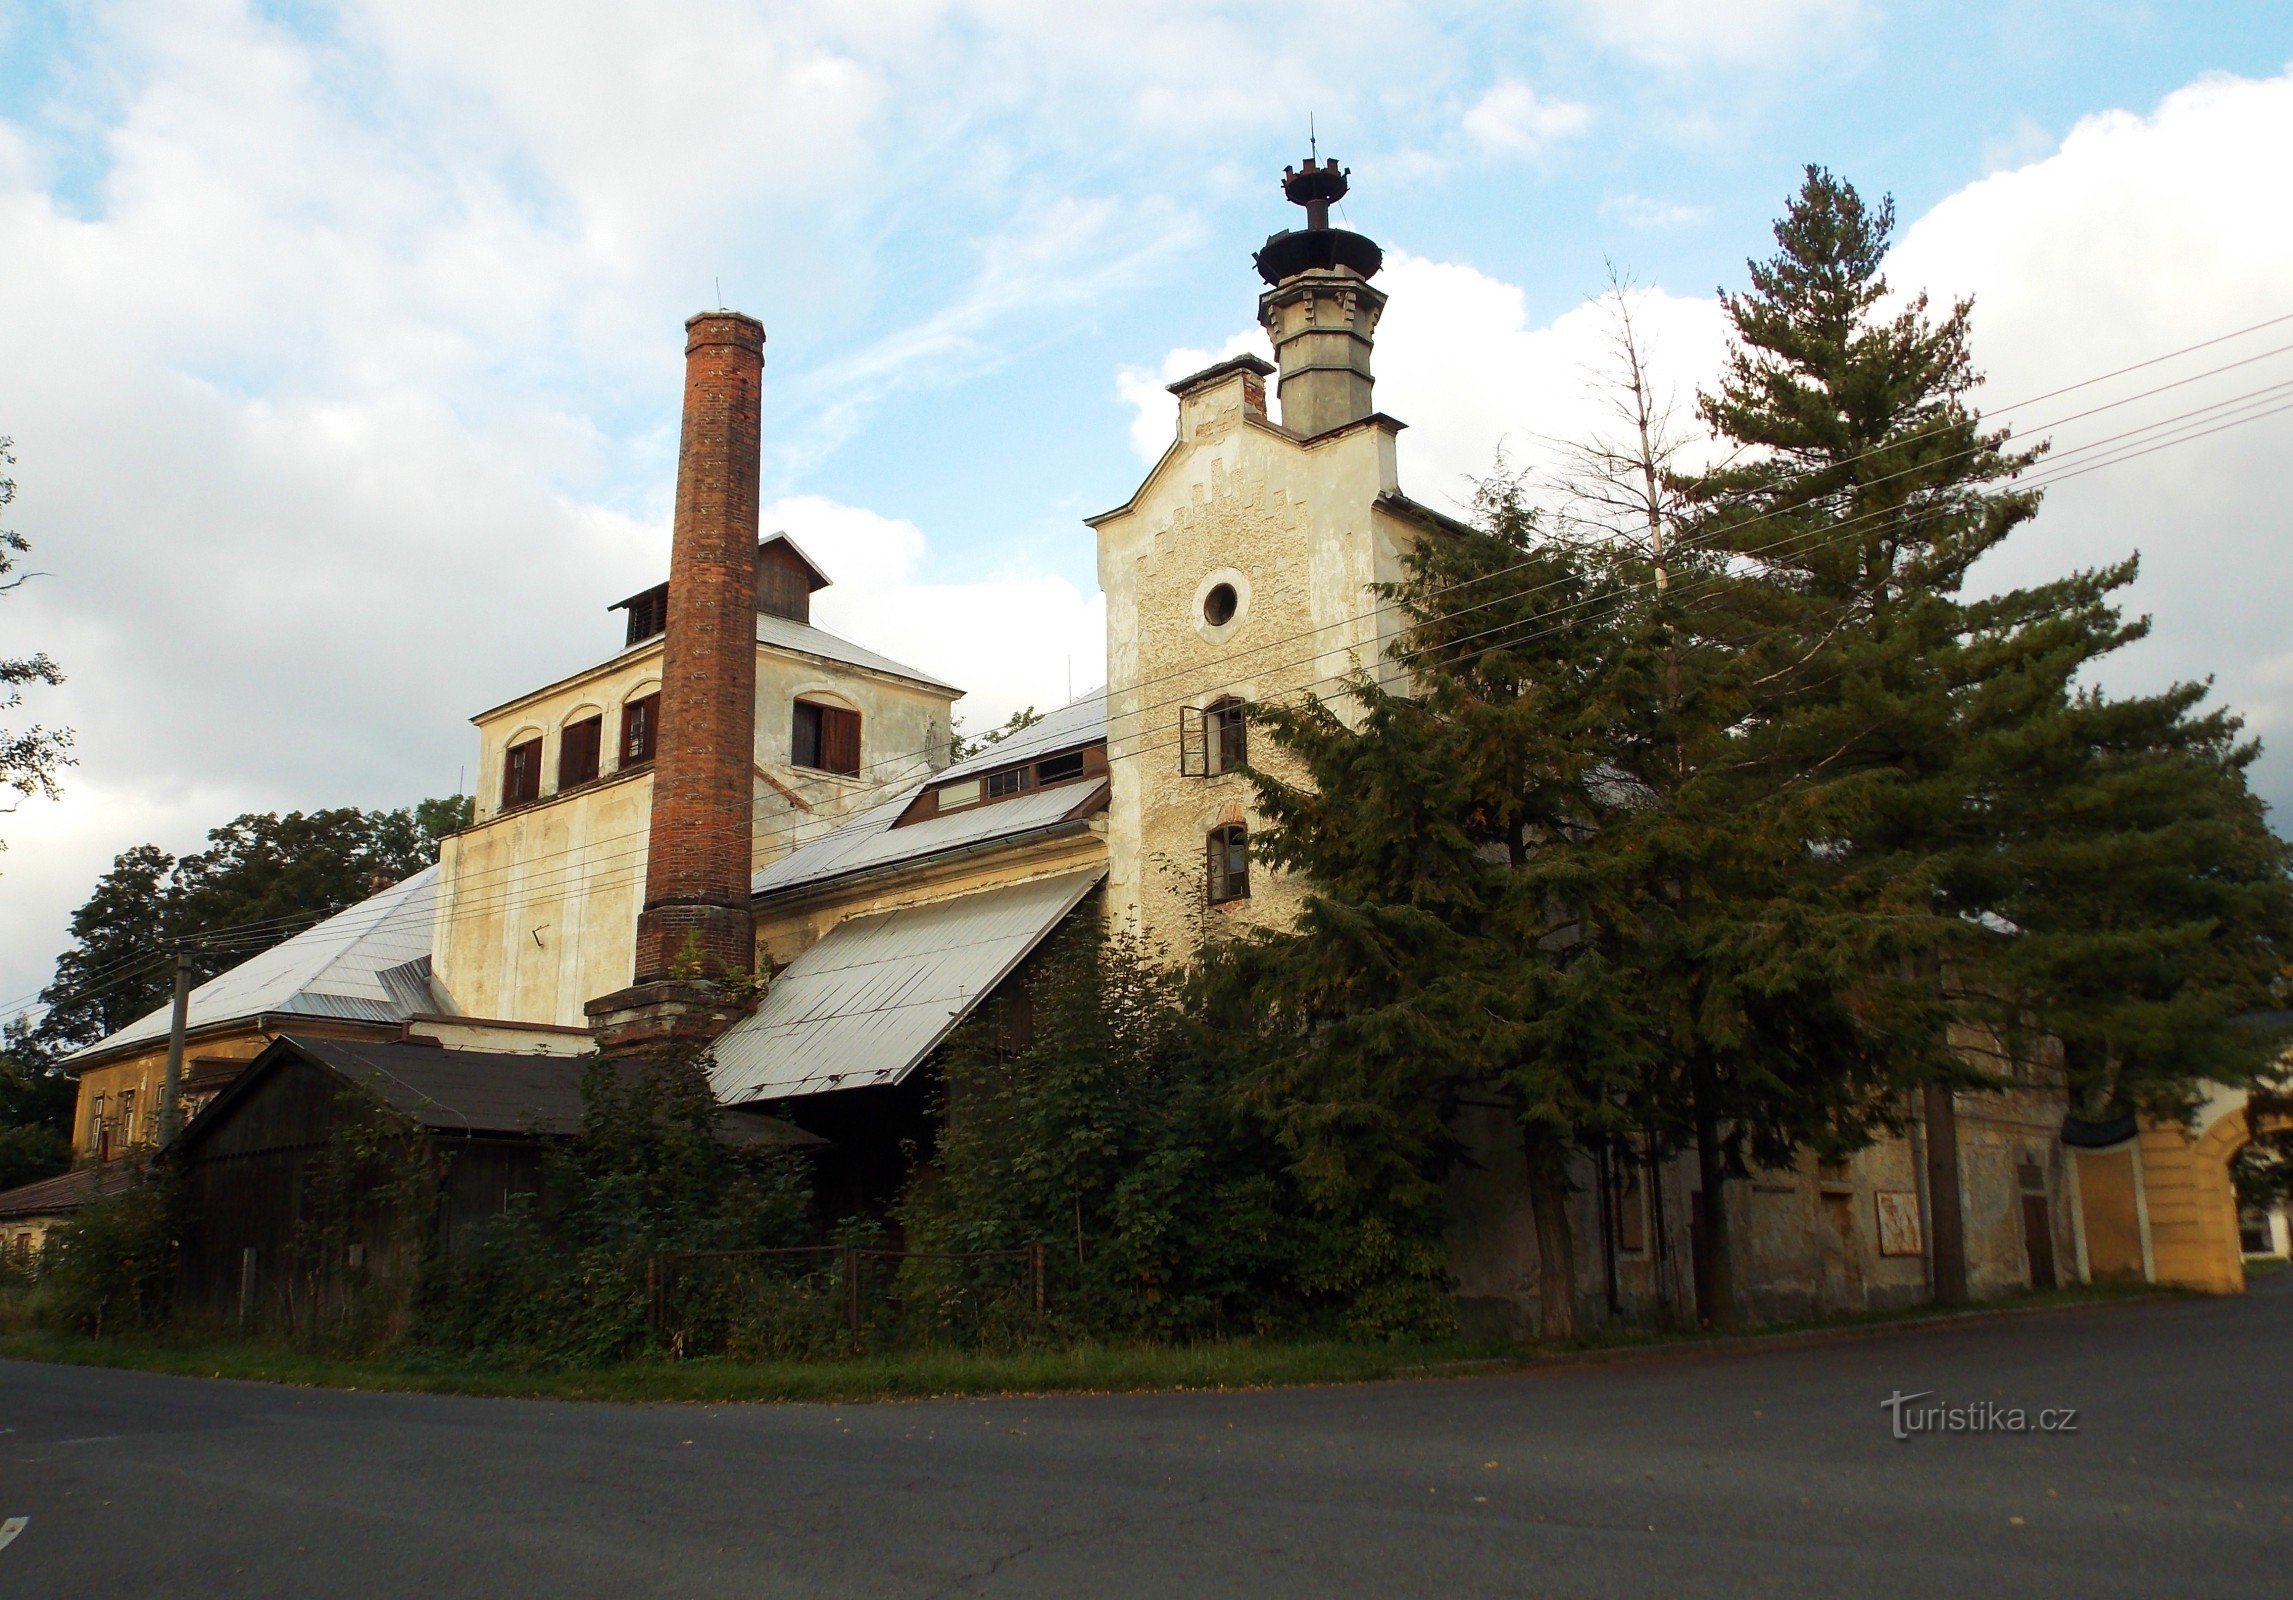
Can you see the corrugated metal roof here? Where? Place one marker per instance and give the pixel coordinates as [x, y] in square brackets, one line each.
[332, 970]
[870, 840]
[863, 1006]
[1079, 722]
[789, 634]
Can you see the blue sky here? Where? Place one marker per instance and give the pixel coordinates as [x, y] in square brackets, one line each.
[347, 337]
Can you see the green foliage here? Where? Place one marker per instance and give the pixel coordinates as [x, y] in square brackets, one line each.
[563, 1280]
[963, 746]
[2077, 867]
[2263, 1173]
[261, 878]
[110, 1266]
[36, 1099]
[1099, 1116]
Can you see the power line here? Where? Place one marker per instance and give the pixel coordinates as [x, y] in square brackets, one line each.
[2181, 428]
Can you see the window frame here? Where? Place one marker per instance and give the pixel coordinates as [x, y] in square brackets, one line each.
[1227, 863]
[1225, 736]
[828, 721]
[589, 730]
[521, 759]
[645, 711]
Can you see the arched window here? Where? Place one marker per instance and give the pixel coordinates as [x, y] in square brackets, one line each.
[580, 743]
[521, 773]
[640, 726]
[1229, 863]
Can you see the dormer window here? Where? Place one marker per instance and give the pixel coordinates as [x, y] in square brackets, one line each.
[1010, 781]
[521, 774]
[1058, 769]
[955, 796]
[648, 614]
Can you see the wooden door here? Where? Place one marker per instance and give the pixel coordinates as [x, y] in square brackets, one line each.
[2038, 1240]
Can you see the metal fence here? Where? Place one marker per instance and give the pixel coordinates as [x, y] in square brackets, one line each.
[815, 1300]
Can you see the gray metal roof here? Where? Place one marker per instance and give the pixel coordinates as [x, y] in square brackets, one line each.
[333, 970]
[863, 1006]
[869, 840]
[787, 634]
[1079, 722]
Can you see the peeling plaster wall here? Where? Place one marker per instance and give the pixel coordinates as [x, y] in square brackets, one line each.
[1294, 526]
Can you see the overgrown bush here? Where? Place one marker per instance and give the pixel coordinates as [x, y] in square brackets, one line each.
[110, 1266]
[1094, 1111]
[562, 1279]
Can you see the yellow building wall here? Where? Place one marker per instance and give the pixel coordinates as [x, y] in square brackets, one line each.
[537, 906]
[144, 1070]
[1295, 528]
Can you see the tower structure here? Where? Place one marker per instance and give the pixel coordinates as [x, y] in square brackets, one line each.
[1243, 572]
[1319, 309]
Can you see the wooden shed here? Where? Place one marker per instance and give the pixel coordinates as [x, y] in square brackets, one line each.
[304, 1182]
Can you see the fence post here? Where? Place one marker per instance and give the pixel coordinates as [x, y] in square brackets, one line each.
[1037, 1253]
[852, 1290]
[246, 1284]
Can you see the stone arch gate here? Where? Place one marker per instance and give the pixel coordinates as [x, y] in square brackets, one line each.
[2158, 1205]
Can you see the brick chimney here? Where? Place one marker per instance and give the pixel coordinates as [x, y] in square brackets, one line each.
[697, 871]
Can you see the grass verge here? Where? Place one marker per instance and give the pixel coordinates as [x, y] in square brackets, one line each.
[1233, 1364]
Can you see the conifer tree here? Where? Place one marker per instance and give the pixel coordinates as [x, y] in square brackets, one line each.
[2054, 863]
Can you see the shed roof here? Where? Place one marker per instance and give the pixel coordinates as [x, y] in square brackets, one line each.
[335, 970]
[68, 1191]
[459, 1091]
[863, 1006]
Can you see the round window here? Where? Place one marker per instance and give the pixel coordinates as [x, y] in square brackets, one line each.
[1219, 605]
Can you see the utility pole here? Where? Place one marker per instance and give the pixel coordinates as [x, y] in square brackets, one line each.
[171, 1086]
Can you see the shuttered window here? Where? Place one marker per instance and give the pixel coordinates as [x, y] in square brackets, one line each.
[1229, 863]
[521, 774]
[640, 726]
[577, 752]
[825, 738]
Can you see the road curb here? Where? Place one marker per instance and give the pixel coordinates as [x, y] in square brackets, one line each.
[1754, 1343]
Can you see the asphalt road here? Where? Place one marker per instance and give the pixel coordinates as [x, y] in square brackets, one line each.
[1769, 1473]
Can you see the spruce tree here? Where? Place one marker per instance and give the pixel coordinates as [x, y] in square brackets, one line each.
[2054, 864]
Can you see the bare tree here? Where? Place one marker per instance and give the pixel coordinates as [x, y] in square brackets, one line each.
[30, 757]
[1618, 482]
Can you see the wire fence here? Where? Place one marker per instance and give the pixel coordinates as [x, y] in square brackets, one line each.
[820, 1300]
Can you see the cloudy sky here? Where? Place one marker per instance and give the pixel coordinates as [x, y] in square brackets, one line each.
[340, 344]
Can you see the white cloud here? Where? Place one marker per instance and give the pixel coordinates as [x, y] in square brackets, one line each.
[1512, 119]
[1154, 409]
[1013, 639]
[2141, 235]
[1683, 33]
[1639, 211]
